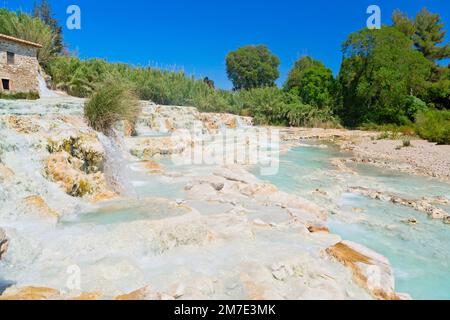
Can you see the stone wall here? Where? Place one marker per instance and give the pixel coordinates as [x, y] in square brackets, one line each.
[23, 74]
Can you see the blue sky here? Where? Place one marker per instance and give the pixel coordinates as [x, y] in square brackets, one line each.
[197, 35]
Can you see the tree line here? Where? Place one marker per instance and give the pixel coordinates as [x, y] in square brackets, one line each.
[388, 76]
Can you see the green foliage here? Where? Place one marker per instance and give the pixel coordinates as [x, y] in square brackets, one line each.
[379, 72]
[312, 82]
[23, 26]
[403, 23]
[413, 106]
[434, 126]
[438, 93]
[79, 78]
[111, 102]
[429, 34]
[271, 105]
[43, 11]
[19, 95]
[406, 142]
[252, 67]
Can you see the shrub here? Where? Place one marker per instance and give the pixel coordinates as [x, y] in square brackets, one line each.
[406, 143]
[32, 95]
[271, 105]
[267, 105]
[111, 102]
[434, 126]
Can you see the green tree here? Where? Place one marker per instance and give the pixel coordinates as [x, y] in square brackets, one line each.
[23, 26]
[429, 35]
[252, 67]
[312, 82]
[379, 74]
[439, 90]
[427, 32]
[403, 23]
[43, 11]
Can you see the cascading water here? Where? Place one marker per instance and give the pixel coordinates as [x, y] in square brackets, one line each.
[116, 167]
[45, 92]
[162, 126]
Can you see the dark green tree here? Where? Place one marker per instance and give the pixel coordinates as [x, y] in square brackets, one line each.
[312, 82]
[438, 94]
[43, 11]
[427, 32]
[429, 35]
[380, 74]
[403, 23]
[252, 67]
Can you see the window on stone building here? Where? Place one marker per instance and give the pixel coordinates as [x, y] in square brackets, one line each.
[5, 84]
[10, 57]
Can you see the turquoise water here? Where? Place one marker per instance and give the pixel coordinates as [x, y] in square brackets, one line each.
[419, 254]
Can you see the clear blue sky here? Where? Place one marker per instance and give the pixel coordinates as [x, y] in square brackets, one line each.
[197, 35]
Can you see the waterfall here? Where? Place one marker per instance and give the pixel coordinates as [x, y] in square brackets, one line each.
[45, 92]
[162, 126]
[116, 167]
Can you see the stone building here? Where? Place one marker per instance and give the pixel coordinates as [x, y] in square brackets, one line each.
[19, 66]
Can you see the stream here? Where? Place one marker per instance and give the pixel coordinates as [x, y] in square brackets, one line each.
[419, 253]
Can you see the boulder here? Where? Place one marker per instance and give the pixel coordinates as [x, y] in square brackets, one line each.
[65, 170]
[6, 174]
[30, 293]
[37, 206]
[147, 148]
[3, 243]
[318, 229]
[152, 167]
[140, 294]
[86, 148]
[370, 270]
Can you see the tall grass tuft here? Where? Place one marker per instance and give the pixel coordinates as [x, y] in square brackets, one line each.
[111, 102]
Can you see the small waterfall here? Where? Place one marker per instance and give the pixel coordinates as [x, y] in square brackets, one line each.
[45, 92]
[116, 167]
[162, 126]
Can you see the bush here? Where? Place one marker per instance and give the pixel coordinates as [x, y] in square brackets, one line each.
[20, 95]
[271, 105]
[111, 102]
[434, 126]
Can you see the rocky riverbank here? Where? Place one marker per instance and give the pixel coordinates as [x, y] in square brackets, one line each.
[420, 157]
[137, 227]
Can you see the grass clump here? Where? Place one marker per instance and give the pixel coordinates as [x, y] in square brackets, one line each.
[434, 126]
[32, 95]
[111, 102]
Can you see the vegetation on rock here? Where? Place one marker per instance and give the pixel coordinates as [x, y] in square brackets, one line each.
[111, 102]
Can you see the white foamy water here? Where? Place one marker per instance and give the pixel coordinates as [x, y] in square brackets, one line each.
[45, 92]
[117, 167]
